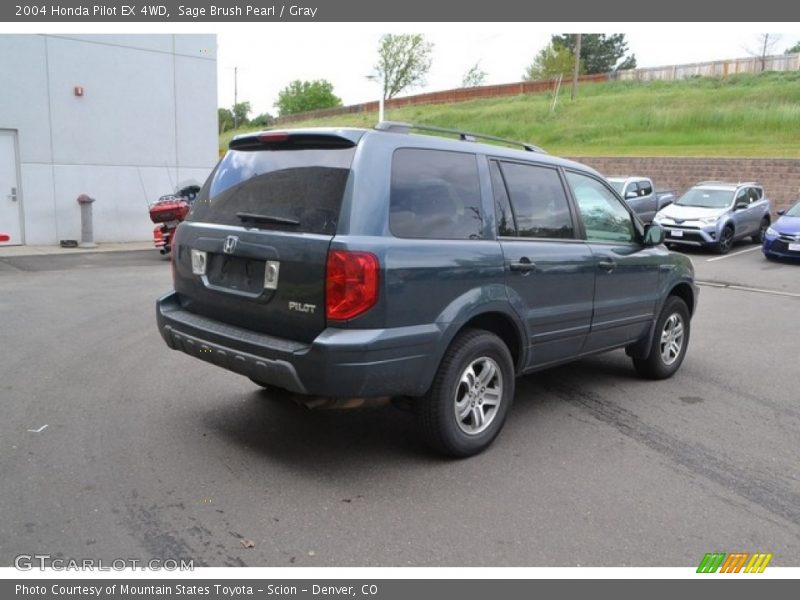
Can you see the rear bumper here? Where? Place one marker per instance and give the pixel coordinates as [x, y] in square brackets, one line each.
[351, 363]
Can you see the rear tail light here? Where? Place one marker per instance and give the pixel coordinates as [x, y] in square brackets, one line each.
[351, 284]
[273, 136]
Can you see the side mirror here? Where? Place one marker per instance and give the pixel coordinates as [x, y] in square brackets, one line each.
[781, 212]
[654, 234]
[630, 195]
[740, 206]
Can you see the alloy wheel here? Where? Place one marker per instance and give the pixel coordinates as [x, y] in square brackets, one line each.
[478, 395]
[672, 339]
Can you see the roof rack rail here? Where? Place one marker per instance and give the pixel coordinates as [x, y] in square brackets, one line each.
[717, 182]
[466, 136]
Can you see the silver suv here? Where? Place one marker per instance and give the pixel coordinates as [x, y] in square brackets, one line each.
[716, 214]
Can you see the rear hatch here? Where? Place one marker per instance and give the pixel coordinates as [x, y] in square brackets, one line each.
[260, 230]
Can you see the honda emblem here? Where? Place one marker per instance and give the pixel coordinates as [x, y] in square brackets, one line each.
[230, 244]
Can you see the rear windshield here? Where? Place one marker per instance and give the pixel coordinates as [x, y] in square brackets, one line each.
[293, 189]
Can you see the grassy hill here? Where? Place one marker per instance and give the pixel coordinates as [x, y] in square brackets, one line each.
[741, 116]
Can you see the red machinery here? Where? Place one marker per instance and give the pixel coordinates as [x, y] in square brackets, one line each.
[167, 213]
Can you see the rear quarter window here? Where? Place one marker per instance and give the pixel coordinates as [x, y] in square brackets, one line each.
[435, 194]
[294, 183]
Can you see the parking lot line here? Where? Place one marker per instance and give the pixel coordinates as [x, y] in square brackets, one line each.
[734, 254]
[744, 288]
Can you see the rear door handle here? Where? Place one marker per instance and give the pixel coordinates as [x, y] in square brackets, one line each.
[524, 265]
[607, 264]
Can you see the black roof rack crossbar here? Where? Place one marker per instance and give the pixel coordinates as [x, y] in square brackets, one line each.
[467, 136]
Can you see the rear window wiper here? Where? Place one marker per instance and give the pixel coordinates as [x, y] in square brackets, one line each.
[256, 218]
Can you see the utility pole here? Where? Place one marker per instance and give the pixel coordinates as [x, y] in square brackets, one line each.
[235, 96]
[379, 79]
[577, 66]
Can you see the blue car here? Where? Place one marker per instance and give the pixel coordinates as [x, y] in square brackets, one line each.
[782, 238]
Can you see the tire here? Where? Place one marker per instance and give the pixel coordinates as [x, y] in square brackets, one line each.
[762, 230]
[462, 413]
[669, 343]
[725, 243]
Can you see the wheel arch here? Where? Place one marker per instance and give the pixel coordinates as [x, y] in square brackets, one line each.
[681, 289]
[504, 327]
[684, 291]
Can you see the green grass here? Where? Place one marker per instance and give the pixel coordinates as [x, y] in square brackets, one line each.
[741, 116]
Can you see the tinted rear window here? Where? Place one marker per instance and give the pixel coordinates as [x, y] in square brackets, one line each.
[298, 184]
[435, 194]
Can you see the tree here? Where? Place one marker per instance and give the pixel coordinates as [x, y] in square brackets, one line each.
[403, 62]
[600, 53]
[224, 119]
[794, 49]
[302, 96]
[474, 76]
[262, 120]
[240, 112]
[551, 61]
[763, 47]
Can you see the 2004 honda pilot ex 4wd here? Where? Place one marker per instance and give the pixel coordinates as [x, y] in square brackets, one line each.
[357, 263]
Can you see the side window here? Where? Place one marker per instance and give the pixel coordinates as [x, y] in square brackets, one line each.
[742, 197]
[645, 188]
[538, 201]
[502, 207]
[631, 187]
[604, 217]
[754, 194]
[435, 195]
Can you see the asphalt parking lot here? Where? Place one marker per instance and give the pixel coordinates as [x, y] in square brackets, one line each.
[113, 446]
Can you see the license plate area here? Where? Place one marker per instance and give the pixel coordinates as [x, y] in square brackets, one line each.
[236, 273]
[676, 233]
[794, 247]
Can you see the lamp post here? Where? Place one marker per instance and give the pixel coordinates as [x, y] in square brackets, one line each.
[379, 80]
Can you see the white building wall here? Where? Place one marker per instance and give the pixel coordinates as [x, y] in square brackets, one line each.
[147, 120]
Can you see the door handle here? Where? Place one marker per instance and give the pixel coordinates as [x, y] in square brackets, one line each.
[13, 194]
[607, 264]
[524, 265]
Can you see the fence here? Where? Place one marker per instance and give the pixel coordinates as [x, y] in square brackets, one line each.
[443, 97]
[717, 68]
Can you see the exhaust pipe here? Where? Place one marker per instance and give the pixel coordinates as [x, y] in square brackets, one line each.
[162, 251]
